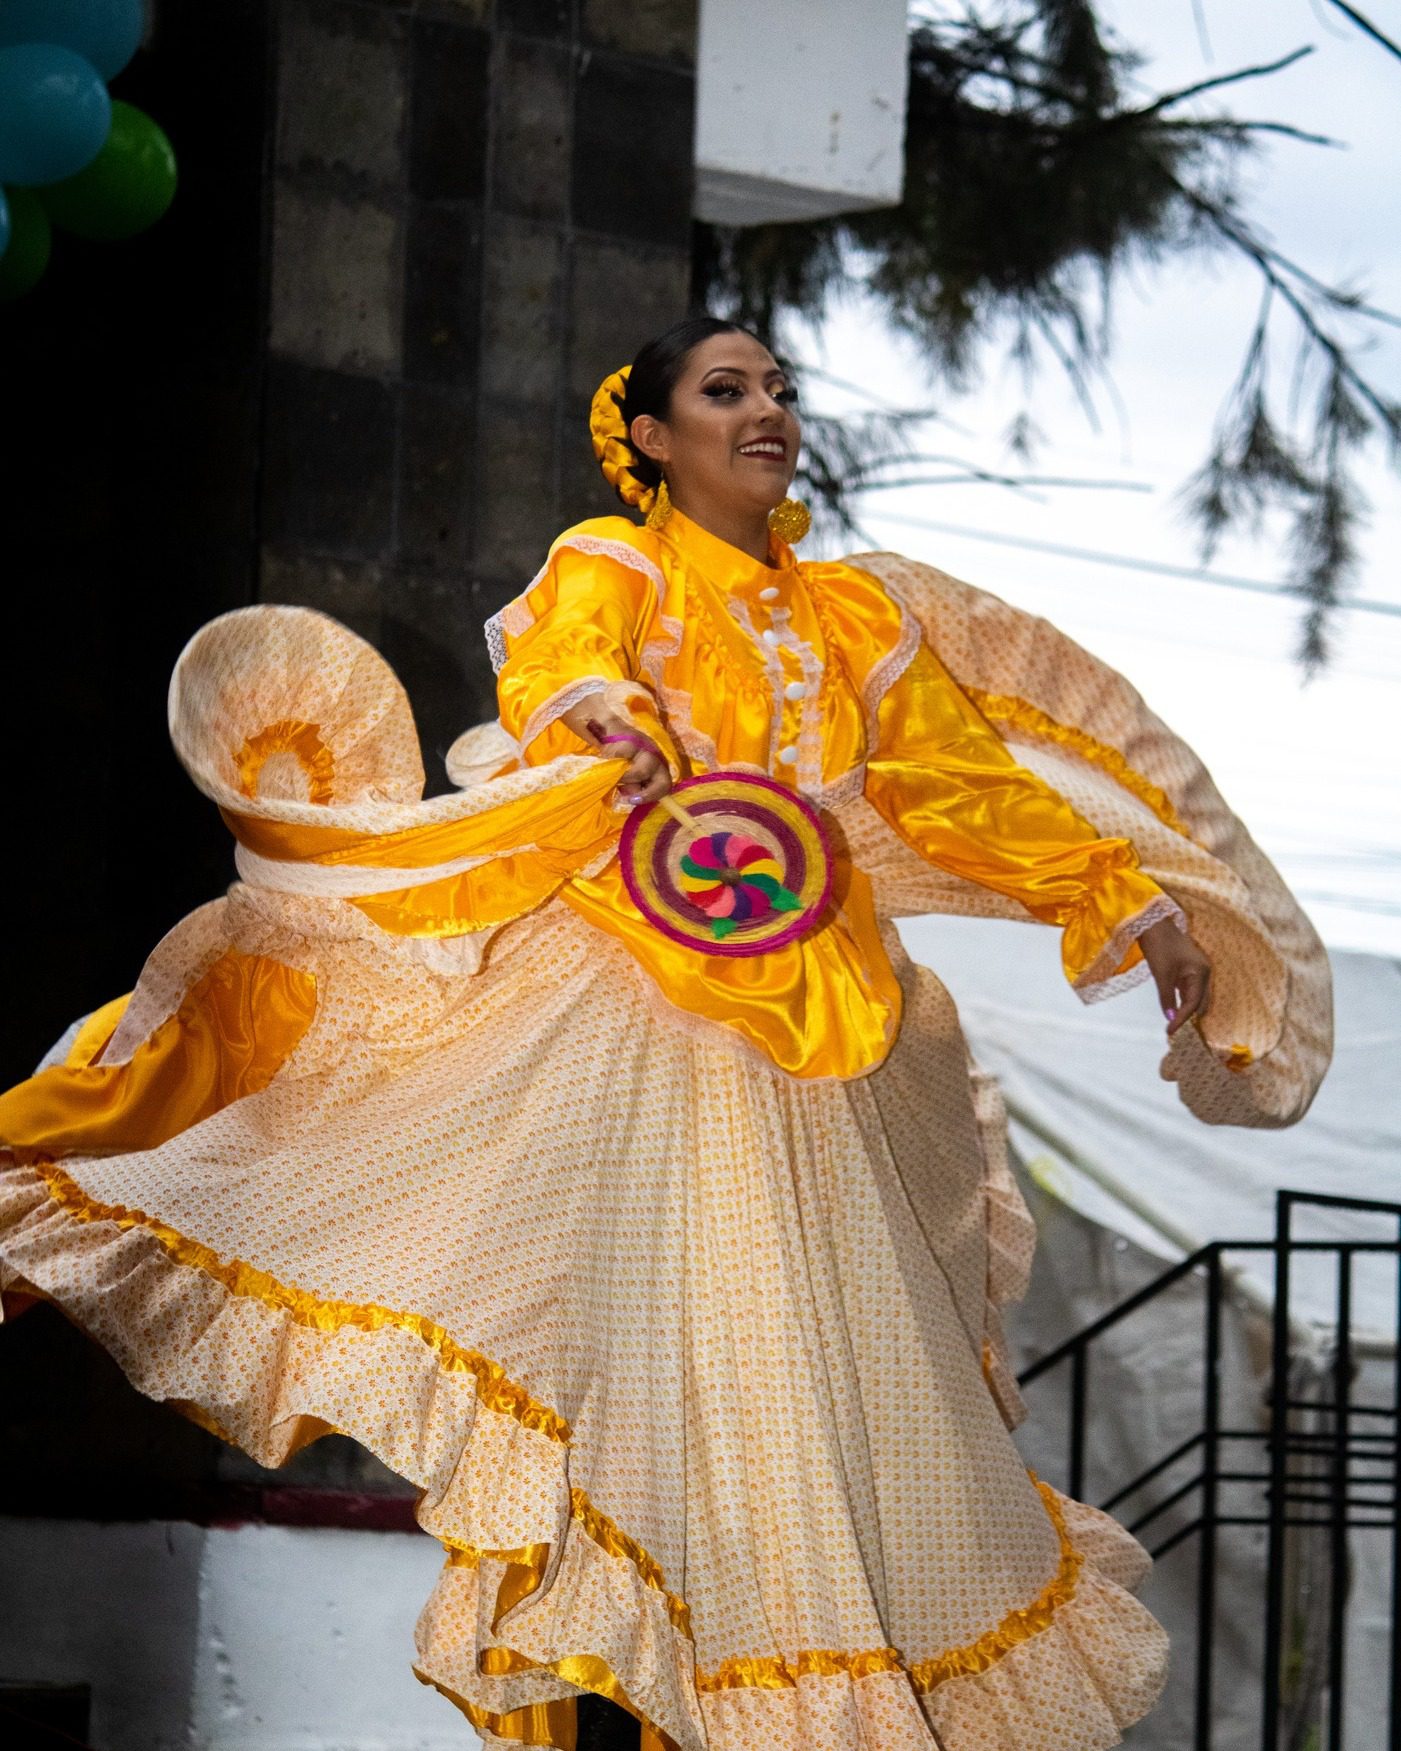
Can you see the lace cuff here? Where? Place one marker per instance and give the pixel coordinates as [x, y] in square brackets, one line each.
[631, 698]
[1100, 979]
[564, 699]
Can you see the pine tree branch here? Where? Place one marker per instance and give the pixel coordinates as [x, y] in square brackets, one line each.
[974, 474]
[921, 414]
[1168, 98]
[1203, 34]
[1332, 294]
[1072, 368]
[1266, 261]
[1366, 26]
[1232, 127]
[1026, 117]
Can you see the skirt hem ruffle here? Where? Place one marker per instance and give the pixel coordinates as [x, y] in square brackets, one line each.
[587, 1609]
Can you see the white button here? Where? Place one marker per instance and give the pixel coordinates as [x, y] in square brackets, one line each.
[788, 756]
[796, 690]
[769, 636]
[769, 593]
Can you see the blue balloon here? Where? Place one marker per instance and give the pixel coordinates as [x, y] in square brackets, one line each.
[55, 114]
[105, 32]
[4, 223]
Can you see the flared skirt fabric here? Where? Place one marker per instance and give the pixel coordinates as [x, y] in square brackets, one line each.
[697, 1367]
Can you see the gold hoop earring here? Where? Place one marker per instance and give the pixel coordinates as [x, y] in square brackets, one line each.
[661, 507]
[790, 521]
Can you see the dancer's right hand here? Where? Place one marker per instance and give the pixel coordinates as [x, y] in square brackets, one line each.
[648, 776]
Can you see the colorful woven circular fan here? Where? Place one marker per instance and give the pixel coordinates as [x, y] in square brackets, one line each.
[728, 864]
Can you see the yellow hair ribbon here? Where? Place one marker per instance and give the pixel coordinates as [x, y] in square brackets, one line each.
[611, 444]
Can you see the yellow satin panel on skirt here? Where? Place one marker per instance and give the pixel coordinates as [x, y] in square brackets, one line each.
[230, 1036]
[827, 1004]
[95, 1032]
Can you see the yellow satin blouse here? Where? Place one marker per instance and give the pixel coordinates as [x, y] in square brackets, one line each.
[810, 673]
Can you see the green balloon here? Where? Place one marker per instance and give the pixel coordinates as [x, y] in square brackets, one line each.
[127, 186]
[31, 239]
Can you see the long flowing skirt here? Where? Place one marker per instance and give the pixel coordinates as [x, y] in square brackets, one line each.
[697, 1367]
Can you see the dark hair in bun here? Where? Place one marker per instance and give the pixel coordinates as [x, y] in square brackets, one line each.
[655, 373]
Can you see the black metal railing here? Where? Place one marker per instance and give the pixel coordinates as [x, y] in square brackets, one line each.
[1320, 1460]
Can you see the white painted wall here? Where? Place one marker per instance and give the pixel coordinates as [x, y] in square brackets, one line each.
[265, 1638]
[800, 108]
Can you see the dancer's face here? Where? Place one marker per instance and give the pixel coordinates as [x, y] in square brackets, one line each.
[731, 436]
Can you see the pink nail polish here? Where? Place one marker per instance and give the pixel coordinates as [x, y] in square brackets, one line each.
[1171, 1014]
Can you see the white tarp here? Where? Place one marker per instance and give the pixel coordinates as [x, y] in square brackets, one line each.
[1100, 1130]
[1123, 1181]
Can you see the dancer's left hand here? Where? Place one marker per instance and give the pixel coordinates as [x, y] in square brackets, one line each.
[1180, 969]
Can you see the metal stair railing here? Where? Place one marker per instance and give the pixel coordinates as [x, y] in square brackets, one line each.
[1339, 1500]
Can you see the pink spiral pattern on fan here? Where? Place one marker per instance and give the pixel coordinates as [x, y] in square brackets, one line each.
[733, 879]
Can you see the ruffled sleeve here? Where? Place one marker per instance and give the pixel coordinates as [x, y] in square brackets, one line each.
[947, 784]
[579, 629]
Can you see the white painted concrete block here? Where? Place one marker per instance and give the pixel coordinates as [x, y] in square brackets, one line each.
[306, 1644]
[263, 1638]
[800, 108]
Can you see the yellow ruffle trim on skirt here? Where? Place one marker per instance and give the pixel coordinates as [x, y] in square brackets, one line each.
[532, 1558]
[553, 1723]
[494, 1389]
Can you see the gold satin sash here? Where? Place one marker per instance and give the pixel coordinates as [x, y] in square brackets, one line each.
[825, 1005]
[533, 846]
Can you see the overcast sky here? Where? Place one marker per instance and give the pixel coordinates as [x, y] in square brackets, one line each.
[1313, 769]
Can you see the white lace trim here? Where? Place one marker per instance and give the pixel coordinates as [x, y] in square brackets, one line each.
[518, 616]
[1137, 975]
[495, 643]
[601, 859]
[807, 774]
[890, 668]
[565, 699]
[657, 652]
[510, 622]
[675, 705]
[836, 792]
[619, 550]
[1099, 980]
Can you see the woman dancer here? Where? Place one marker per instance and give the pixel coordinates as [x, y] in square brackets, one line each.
[671, 1279]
